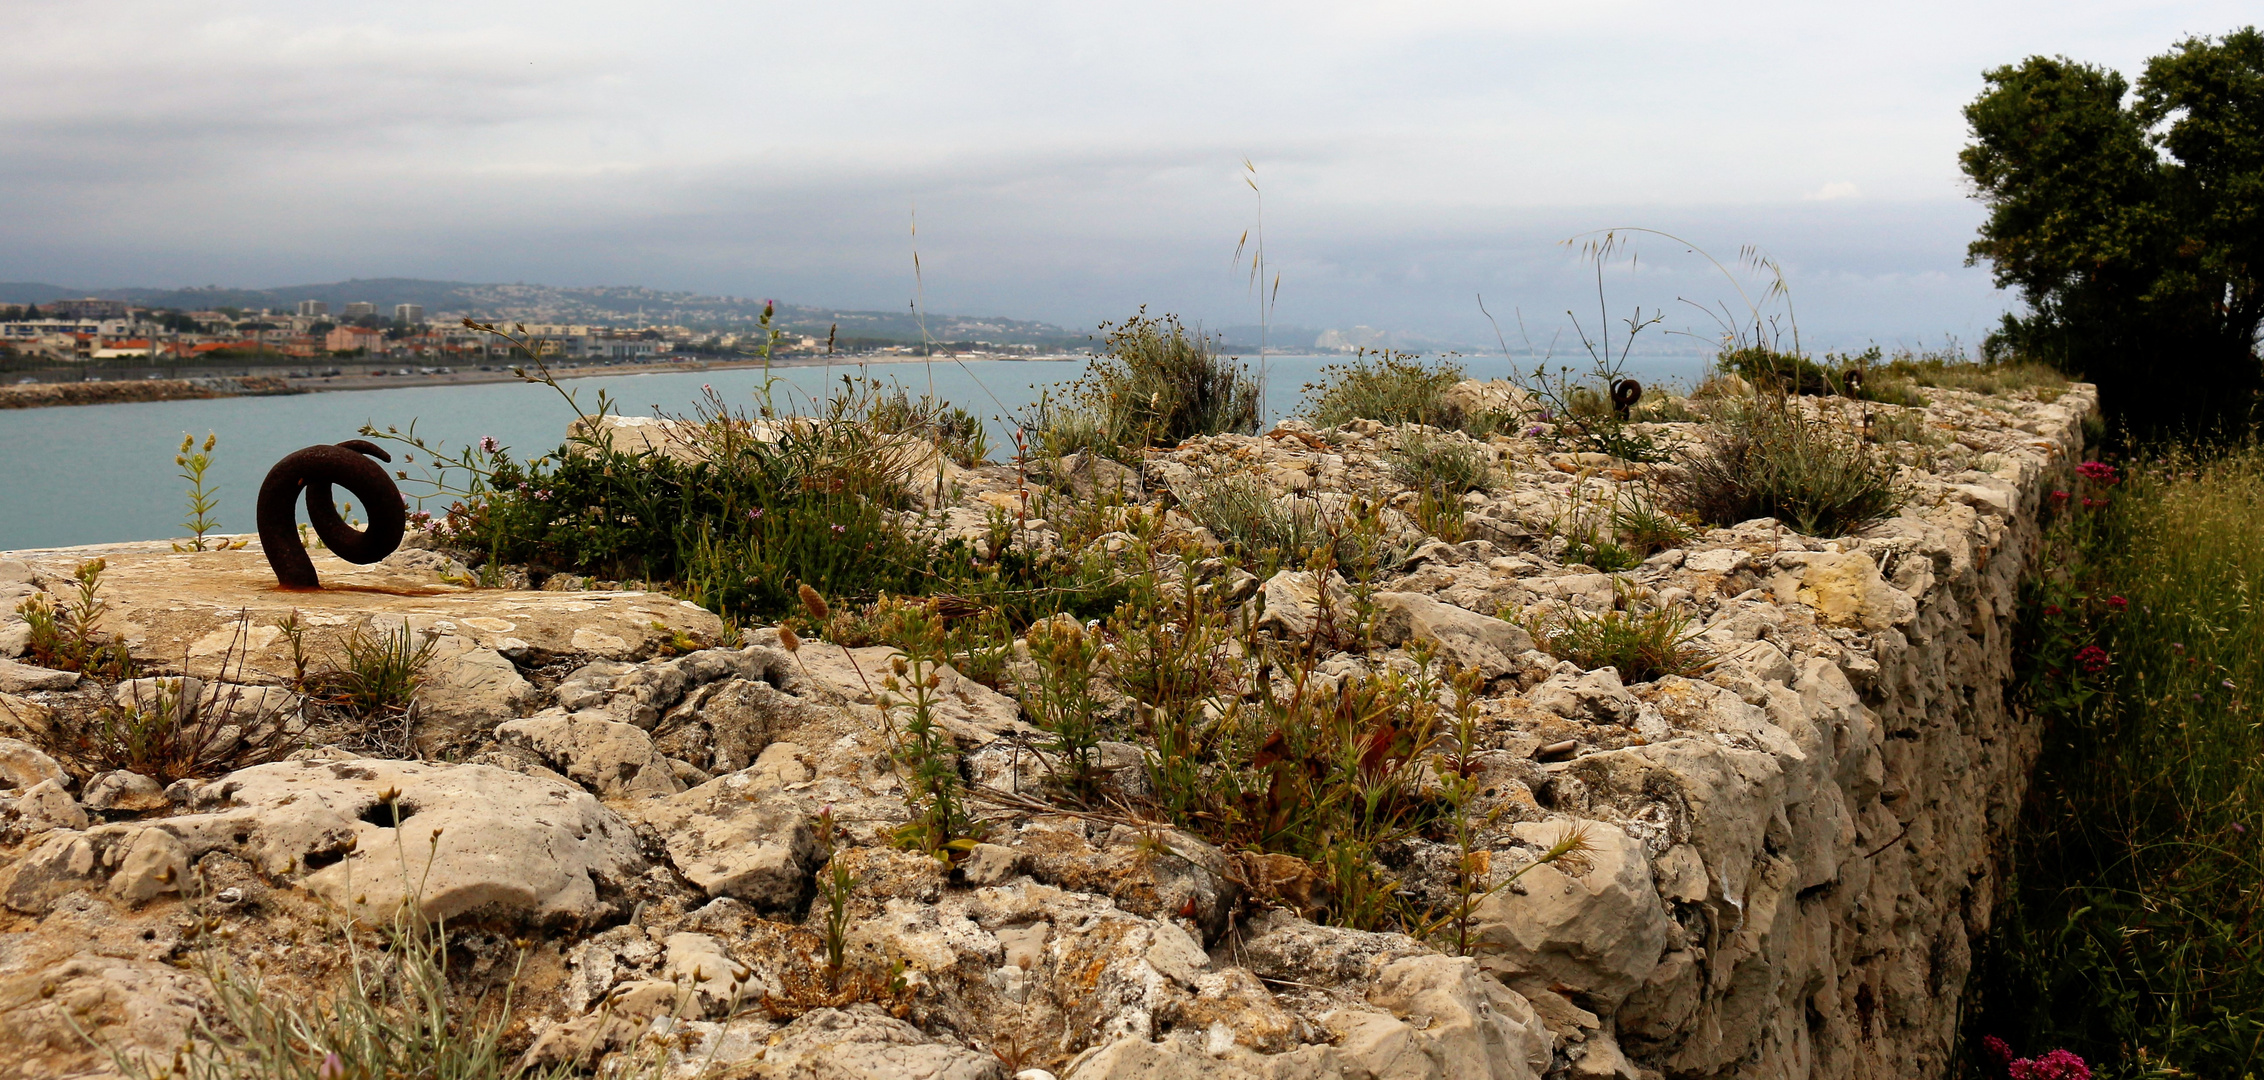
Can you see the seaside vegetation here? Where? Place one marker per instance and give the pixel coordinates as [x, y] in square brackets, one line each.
[1153, 383]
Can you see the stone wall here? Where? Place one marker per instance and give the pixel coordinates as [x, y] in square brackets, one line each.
[1831, 880]
[1789, 851]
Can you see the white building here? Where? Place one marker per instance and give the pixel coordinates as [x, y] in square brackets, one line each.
[313, 308]
[359, 308]
[413, 314]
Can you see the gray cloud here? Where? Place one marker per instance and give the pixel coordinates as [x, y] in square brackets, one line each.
[1068, 162]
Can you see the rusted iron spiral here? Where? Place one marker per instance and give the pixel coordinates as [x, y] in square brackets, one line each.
[1852, 380]
[1625, 393]
[314, 470]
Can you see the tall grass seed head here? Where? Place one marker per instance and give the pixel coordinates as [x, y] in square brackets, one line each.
[812, 602]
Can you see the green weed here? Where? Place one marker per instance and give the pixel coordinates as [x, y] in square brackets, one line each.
[1769, 458]
[70, 637]
[1154, 383]
[1390, 388]
[1642, 645]
[203, 498]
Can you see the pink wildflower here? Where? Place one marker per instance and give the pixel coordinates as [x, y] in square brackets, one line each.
[2097, 470]
[2117, 603]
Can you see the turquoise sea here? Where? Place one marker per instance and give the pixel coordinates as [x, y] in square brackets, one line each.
[99, 473]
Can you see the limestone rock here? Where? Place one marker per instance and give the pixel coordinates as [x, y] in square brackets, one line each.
[43, 806]
[974, 714]
[1478, 1028]
[470, 838]
[139, 1009]
[1845, 589]
[861, 1041]
[1594, 696]
[467, 690]
[1090, 476]
[1293, 609]
[699, 964]
[1471, 398]
[1464, 639]
[1599, 932]
[615, 760]
[739, 836]
[23, 765]
[18, 678]
[24, 718]
[65, 861]
[219, 610]
[1280, 945]
[724, 726]
[120, 791]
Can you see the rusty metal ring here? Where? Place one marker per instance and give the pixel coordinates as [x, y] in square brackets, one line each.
[1625, 393]
[314, 470]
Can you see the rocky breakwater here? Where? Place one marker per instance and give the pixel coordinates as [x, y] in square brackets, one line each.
[695, 856]
[36, 395]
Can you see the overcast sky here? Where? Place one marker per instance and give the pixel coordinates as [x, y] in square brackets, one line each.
[1067, 161]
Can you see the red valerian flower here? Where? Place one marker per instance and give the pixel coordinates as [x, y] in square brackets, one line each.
[2051, 609]
[2117, 603]
[2097, 470]
[2057, 1065]
[2092, 659]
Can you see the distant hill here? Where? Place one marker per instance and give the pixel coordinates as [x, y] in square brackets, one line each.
[546, 303]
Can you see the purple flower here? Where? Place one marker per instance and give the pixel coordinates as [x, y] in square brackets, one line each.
[2097, 470]
[487, 444]
[1535, 430]
[841, 528]
[2238, 827]
[1998, 1051]
[755, 514]
[332, 1068]
[2228, 684]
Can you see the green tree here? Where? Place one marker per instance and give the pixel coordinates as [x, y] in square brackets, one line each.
[2131, 225]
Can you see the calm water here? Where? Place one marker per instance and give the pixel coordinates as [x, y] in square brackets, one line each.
[97, 473]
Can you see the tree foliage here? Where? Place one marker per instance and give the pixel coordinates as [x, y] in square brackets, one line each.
[2132, 224]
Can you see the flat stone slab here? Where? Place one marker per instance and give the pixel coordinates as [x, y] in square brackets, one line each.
[190, 612]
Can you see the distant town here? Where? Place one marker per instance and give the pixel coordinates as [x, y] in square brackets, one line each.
[99, 332]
